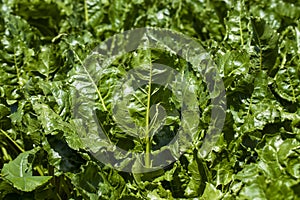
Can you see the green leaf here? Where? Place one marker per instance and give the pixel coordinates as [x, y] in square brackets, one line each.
[265, 42]
[19, 172]
[259, 109]
[93, 183]
[52, 122]
[287, 82]
[200, 175]
[211, 192]
[254, 191]
[234, 65]
[237, 23]
[4, 111]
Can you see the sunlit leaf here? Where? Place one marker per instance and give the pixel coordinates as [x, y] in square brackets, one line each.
[19, 172]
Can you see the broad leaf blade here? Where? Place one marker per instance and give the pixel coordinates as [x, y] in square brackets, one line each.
[19, 173]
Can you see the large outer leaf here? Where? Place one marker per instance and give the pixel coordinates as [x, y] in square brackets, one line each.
[19, 172]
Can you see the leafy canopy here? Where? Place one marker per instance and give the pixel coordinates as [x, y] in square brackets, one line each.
[256, 46]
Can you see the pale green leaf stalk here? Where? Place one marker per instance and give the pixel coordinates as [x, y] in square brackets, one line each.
[147, 62]
[86, 14]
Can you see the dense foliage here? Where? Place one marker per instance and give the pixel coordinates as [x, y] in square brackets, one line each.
[256, 46]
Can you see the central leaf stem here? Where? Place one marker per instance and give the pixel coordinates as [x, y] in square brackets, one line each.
[147, 131]
[86, 15]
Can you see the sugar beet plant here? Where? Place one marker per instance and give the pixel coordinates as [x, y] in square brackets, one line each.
[151, 103]
[71, 128]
